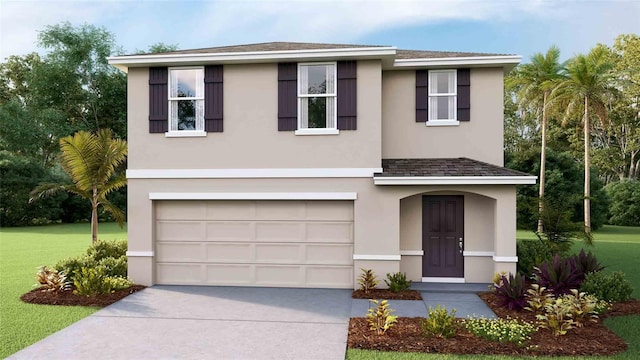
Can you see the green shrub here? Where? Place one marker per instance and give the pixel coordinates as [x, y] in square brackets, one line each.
[557, 317]
[94, 281]
[114, 266]
[51, 279]
[613, 287]
[625, 203]
[107, 249]
[367, 280]
[537, 298]
[531, 253]
[380, 318]
[439, 323]
[398, 282]
[72, 266]
[584, 307]
[501, 330]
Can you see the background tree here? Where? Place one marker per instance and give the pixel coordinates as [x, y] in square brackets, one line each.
[92, 161]
[588, 89]
[534, 82]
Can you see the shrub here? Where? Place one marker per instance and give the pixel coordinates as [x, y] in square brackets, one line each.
[398, 282]
[380, 318]
[367, 280]
[107, 249]
[51, 279]
[557, 317]
[625, 203]
[583, 307]
[537, 298]
[439, 323]
[613, 287]
[586, 263]
[531, 253]
[72, 266]
[511, 291]
[95, 282]
[114, 266]
[559, 275]
[501, 330]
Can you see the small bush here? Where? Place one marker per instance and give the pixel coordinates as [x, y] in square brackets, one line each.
[439, 323]
[511, 291]
[380, 318]
[586, 263]
[501, 330]
[107, 249]
[95, 282]
[51, 279]
[398, 282]
[537, 298]
[531, 253]
[72, 266]
[367, 280]
[114, 266]
[559, 275]
[557, 317]
[612, 287]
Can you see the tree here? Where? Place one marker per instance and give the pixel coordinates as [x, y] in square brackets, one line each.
[158, 47]
[625, 203]
[588, 88]
[92, 161]
[535, 81]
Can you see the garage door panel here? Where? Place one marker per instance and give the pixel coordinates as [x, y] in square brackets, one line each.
[179, 230]
[229, 253]
[330, 232]
[255, 243]
[280, 253]
[180, 210]
[181, 252]
[329, 254]
[236, 231]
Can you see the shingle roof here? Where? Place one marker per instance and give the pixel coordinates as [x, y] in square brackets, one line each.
[442, 167]
[288, 46]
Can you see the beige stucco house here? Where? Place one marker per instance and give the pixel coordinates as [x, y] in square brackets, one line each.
[297, 164]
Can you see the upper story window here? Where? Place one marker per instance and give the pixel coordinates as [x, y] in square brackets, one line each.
[186, 99]
[442, 97]
[317, 98]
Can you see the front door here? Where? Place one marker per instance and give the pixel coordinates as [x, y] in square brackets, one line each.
[443, 236]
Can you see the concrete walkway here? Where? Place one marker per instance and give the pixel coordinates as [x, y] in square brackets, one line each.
[188, 322]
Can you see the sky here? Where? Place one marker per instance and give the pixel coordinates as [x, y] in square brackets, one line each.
[501, 26]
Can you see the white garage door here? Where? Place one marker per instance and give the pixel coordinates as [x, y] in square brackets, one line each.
[255, 243]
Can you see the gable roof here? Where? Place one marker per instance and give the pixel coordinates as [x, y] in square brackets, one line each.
[461, 171]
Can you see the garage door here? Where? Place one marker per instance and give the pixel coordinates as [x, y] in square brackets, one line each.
[255, 243]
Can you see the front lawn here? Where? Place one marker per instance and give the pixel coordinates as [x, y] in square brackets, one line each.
[24, 249]
[616, 247]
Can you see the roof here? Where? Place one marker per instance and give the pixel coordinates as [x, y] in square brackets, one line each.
[429, 54]
[448, 171]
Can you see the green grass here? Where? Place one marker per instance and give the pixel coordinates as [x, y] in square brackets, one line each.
[22, 250]
[616, 247]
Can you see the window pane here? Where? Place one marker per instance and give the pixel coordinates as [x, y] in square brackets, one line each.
[183, 115]
[317, 113]
[441, 108]
[441, 82]
[185, 83]
[314, 79]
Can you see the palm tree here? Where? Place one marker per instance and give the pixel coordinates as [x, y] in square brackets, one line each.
[586, 91]
[91, 160]
[534, 82]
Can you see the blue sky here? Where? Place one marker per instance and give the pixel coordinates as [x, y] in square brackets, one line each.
[505, 26]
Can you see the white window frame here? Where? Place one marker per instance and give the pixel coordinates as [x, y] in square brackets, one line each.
[171, 100]
[443, 122]
[318, 131]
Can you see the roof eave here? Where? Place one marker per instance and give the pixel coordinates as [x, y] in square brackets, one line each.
[508, 62]
[386, 54]
[454, 180]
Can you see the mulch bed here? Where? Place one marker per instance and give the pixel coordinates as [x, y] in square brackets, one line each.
[406, 336]
[387, 294]
[68, 298]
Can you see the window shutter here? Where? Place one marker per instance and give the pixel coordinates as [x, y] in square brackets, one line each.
[347, 95]
[464, 95]
[422, 95]
[158, 100]
[213, 98]
[287, 96]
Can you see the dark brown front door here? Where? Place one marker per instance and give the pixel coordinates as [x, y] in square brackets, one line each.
[442, 236]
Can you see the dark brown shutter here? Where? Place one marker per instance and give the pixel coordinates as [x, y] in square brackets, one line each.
[213, 98]
[158, 100]
[347, 95]
[287, 96]
[422, 95]
[464, 95]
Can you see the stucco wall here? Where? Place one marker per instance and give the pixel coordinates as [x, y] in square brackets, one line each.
[479, 139]
[251, 138]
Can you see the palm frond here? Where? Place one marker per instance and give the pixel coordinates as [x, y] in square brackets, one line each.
[118, 215]
[47, 189]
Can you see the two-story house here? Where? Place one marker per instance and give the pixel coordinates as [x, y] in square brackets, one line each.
[298, 164]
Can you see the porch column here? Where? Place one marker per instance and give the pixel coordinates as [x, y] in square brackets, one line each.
[140, 229]
[377, 235]
[504, 246]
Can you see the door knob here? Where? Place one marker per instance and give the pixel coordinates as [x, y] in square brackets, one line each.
[460, 245]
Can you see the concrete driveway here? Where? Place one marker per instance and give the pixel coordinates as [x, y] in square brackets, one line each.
[189, 322]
